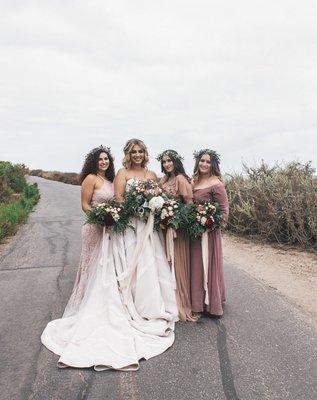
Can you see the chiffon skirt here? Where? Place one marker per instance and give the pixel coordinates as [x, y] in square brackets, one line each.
[216, 286]
[182, 275]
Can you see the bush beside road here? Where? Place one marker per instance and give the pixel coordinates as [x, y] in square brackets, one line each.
[17, 197]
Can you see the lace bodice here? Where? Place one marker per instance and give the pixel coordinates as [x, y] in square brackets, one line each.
[105, 192]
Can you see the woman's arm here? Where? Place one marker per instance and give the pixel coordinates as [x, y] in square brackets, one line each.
[220, 196]
[119, 185]
[184, 189]
[161, 182]
[151, 175]
[87, 190]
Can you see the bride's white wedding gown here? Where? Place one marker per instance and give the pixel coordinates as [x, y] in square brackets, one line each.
[128, 310]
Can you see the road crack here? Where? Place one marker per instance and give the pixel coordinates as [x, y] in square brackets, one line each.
[227, 378]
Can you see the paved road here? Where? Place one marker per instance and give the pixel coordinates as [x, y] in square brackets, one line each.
[263, 348]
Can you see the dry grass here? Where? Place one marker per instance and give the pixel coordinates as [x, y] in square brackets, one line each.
[65, 177]
[277, 204]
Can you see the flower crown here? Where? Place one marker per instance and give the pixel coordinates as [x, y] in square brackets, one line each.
[170, 153]
[213, 154]
[96, 149]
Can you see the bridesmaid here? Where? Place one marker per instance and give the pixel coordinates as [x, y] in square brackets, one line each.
[96, 180]
[176, 184]
[207, 185]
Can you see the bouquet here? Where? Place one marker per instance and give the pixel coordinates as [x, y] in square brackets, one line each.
[203, 216]
[171, 215]
[143, 198]
[108, 214]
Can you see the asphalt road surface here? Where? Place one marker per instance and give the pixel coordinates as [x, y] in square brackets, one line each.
[263, 347]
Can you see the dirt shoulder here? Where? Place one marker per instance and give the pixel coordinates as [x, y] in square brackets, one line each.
[292, 272]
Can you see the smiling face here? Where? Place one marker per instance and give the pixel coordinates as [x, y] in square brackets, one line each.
[168, 164]
[204, 165]
[103, 162]
[137, 155]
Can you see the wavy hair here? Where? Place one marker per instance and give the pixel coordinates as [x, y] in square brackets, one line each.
[177, 162]
[91, 164]
[127, 153]
[215, 168]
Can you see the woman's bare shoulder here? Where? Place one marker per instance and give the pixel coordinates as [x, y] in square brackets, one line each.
[90, 179]
[122, 172]
[151, 175]
[216, 182]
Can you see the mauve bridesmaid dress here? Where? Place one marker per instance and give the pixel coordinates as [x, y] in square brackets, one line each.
[216, 287]
[179, 188]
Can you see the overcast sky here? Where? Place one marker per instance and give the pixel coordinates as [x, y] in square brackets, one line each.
[235, 76]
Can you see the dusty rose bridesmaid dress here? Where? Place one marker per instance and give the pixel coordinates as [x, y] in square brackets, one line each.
[216, 286]
[178, 187]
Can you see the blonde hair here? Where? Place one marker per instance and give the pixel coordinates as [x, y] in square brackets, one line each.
[127, 153]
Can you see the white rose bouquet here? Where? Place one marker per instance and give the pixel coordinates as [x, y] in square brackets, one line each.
[143, 198]
[108, 214]
[171, 215]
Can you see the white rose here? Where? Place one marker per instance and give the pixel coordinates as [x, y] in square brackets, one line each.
[170, 213]
[164, 213]
[170, 208]
[203, 220]
[156, 203]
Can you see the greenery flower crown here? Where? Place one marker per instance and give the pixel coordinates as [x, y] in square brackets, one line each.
[213, 154]
[170, 153]
[96, 149]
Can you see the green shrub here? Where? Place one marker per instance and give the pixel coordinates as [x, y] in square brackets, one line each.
[12, 179]
[275, 203]
[32, 192]
[17, 198]
[17, 181]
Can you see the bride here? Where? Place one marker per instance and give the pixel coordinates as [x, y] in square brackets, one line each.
[145, 278]
[111, 327]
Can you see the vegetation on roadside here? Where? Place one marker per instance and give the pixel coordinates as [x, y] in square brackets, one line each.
[277, 204]
[65, 177]
[17, 197]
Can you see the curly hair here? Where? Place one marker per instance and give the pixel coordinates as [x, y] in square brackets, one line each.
[91, 164]
[215, 160]
[127, 153]
[177, 162]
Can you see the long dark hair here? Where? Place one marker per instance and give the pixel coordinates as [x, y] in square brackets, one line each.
[177, 162]
[91, 164]
[214, 163]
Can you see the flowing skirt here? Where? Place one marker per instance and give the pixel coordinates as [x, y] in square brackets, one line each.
[128, 310]
[181, 252]
[216, 286]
